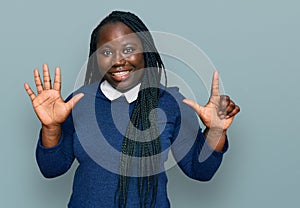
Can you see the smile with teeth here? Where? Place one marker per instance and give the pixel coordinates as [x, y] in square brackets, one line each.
[120, 76]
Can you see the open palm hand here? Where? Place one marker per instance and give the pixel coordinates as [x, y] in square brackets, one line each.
[48, 103]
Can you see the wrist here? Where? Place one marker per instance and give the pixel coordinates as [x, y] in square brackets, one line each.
[215, 131]
[51, 127]
[215, 137]
[51, 135]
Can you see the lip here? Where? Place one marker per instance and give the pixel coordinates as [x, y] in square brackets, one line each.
[120, 75]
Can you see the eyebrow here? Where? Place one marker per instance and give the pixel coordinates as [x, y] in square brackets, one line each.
[130, 43]
[125, 44]
[104, 46]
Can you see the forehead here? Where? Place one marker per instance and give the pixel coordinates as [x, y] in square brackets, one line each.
[116, 33]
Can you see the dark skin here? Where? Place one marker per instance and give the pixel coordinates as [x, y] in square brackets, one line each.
[49, 106]
[119, 56]
[217, 115]
[121, 61]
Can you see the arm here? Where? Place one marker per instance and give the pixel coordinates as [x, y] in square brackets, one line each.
[190, 147]
[56, 160]
[205, 156]
[52, 112]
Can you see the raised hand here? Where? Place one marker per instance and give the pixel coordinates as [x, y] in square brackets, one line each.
[219, 110]
[217, 115]
[48, 104]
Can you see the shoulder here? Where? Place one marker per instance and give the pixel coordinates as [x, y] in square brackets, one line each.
[171, 94]
[172, 101]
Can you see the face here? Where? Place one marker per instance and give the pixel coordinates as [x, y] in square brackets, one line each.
[119, 55]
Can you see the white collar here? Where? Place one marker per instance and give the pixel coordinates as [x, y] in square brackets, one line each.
[113, 94]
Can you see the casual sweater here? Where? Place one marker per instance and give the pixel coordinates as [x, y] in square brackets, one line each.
[93, 135]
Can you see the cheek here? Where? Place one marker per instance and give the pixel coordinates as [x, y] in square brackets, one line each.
[103, 64]
[137, 60]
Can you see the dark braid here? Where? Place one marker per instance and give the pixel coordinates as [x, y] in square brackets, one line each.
[146, 102]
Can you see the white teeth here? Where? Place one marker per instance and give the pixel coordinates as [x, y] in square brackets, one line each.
[120, 73]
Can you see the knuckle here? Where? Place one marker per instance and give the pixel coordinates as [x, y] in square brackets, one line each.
[225, 98]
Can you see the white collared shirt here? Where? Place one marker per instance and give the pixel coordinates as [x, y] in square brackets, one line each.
[113, 94]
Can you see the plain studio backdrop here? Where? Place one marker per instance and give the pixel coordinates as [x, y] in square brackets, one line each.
[255, 46]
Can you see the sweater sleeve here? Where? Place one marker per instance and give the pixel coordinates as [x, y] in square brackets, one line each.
[193, 154]
[57, 160]
[201, 162]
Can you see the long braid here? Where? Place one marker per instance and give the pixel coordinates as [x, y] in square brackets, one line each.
[141, 128]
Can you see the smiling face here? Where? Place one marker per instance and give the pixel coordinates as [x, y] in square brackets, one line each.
[120, 56]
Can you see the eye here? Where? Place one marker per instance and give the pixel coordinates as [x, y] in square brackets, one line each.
[107, 52]
[128, 50]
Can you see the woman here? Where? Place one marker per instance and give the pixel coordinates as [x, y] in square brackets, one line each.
[124, 72]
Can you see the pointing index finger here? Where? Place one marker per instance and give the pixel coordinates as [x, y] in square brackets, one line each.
[215, 84]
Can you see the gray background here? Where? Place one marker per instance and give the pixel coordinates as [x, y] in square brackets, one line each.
[255, 46]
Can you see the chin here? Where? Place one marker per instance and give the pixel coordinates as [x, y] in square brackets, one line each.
[122, 88]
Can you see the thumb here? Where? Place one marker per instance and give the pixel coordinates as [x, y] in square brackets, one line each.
[194, 105]
[74, 100]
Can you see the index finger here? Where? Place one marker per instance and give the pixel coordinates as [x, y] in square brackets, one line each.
[37, 80]
[215, 84]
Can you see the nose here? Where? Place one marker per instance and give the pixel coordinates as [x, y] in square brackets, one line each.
[118, 60]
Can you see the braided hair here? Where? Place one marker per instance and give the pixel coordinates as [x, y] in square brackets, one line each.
[142, 137]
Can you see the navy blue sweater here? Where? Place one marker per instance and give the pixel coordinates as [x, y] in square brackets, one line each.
[93, 134]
